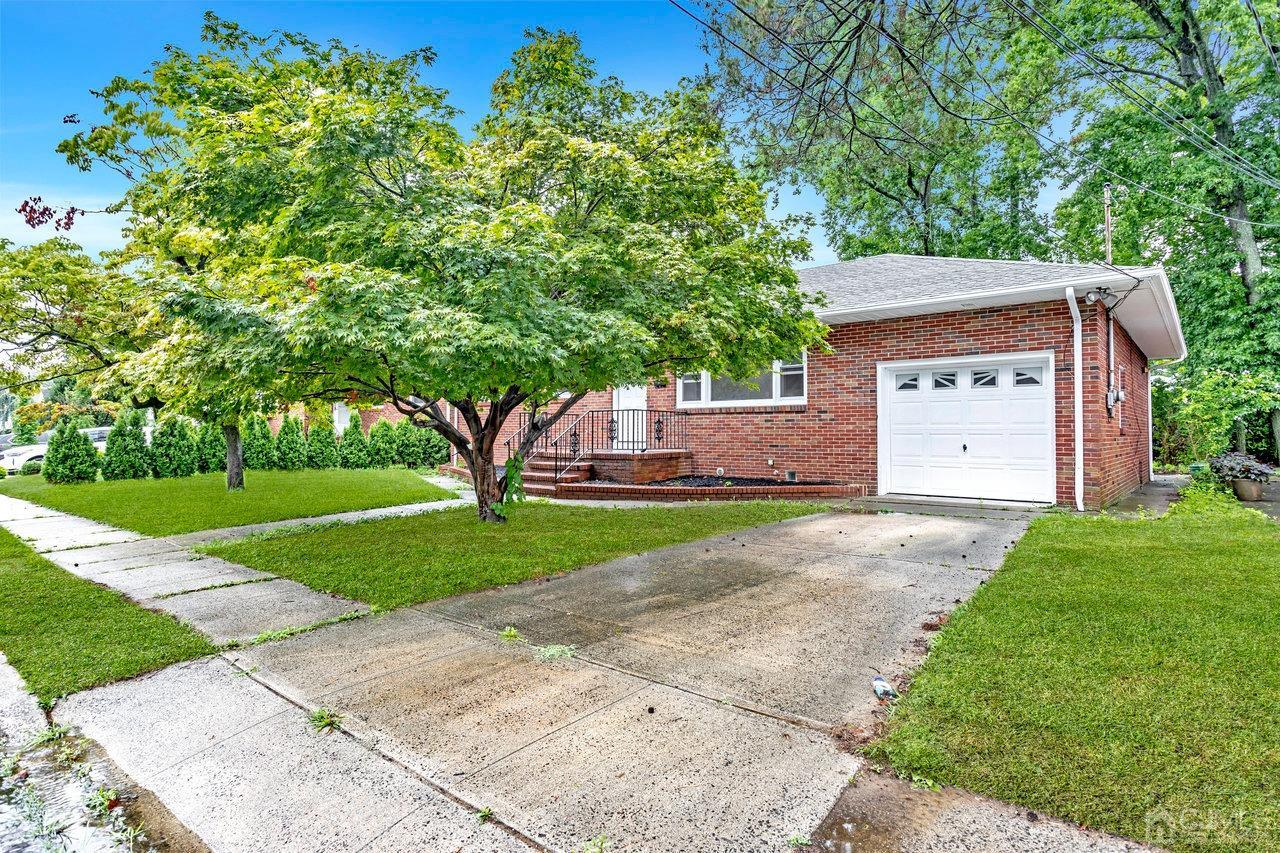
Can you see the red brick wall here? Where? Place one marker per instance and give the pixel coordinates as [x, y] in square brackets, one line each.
[369, 417]
[1117, 449]
[833, 436]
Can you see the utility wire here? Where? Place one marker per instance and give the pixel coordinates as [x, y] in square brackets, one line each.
[1194, 134]
[1262, 34]
[765, 66]
[1037, 135]
[1213, 148]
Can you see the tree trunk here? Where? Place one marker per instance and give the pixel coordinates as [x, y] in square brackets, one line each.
[235, 457]
[489, 491]
[1275, 431]
[1246, 244]
[1242, 437]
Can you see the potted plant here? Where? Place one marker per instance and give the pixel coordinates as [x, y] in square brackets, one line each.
[1245, 473]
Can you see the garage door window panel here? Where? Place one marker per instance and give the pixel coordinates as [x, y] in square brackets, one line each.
[1028, 377]
[985, 379]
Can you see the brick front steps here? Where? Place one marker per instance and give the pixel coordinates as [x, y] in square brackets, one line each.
[577, 484]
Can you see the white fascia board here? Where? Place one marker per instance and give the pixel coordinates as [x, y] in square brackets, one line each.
[1169, 344]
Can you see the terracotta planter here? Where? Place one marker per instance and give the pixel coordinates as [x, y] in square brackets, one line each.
[1247, 490]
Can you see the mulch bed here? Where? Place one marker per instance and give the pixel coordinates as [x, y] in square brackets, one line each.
[722, 482]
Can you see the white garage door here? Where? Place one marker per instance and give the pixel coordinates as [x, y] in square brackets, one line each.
[968, 430]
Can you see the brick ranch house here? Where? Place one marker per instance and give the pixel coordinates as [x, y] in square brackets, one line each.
[948, 377]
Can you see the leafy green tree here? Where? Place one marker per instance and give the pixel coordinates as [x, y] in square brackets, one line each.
[322, 448]
[291, 446]
[586, 236]
[1203, 413]
[127, 456]
[64, 315]
[1185, 130]
[259, 445]
[173, 450]
[211, 448]
[71, 457]
[353, 452]
[383, 447]
[887, 113]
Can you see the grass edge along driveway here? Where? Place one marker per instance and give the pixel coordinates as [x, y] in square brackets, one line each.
[63, 633]
[1122, 674]
[185, 504]
[400, 561]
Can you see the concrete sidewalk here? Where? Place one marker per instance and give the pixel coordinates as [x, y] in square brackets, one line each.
[224, 601]
[681, 699]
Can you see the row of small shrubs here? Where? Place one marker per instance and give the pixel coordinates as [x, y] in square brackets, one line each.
[72, 458]
[178, 450]
[291, 449]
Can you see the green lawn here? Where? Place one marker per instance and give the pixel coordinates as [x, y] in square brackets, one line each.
[402, 561]
[63, 633]
[164, 507]
[1115, 672]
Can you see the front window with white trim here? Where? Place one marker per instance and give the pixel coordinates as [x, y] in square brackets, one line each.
[781, 383]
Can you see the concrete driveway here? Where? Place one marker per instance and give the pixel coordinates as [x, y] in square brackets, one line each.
[694, 713]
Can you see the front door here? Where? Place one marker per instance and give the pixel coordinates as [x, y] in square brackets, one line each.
[630, 404]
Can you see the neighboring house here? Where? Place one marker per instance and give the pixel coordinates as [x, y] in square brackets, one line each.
[996, 380]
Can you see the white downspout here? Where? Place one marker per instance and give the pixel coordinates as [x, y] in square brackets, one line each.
[1151, 418]
[1077, 387]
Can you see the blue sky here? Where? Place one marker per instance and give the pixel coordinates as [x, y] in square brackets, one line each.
[52, 53]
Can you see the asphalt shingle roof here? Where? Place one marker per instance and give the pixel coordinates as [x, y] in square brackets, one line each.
[885, 279]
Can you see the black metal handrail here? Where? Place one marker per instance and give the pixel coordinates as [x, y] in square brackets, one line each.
[624, 430]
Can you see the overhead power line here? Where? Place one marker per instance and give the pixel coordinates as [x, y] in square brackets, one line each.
[1196, 136]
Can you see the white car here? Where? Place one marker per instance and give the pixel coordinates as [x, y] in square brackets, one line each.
[15, 457]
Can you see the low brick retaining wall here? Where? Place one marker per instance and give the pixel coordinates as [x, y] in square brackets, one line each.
[625, 491]
[641, 492]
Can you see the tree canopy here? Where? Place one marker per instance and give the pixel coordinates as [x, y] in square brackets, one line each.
[324, 230]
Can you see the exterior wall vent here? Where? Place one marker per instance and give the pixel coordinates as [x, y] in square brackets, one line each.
[791, 477]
